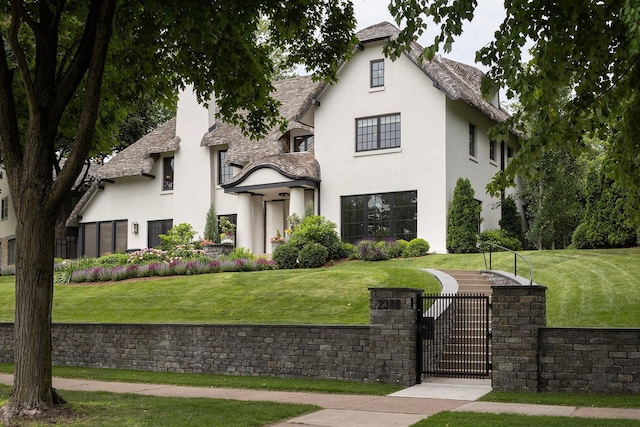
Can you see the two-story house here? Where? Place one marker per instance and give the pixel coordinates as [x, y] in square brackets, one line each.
[378, 153]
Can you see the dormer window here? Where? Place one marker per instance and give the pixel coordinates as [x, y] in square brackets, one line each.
[167, 174]
[377, 73]
[302, 143]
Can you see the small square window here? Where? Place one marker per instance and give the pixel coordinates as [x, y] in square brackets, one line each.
[302, 143]
[167, 174]
[377, 73]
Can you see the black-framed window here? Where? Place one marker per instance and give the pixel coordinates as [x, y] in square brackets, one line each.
[379, 132]
[167, 173]
[302, 143]
[233, 219]
[379, 216]
[225, 171]
[11, 249]
[377, 73]
[155, 228]
[104, 237]
[472, 140]
[492, 150]
[4, 209]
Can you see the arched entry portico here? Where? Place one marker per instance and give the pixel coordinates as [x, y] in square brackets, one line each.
[268, 192]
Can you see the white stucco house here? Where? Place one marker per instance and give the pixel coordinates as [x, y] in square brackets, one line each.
[378, 153]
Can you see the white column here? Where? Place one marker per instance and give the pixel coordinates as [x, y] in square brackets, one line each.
[243, 231]
[296, 201]
[275, 220]
[257, 224]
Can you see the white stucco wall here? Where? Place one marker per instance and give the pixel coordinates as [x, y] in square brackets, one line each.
[264, 176]
[417, 165]
[479, 169]
[194, 172]
[135, 199]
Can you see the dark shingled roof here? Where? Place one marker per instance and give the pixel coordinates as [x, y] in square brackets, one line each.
[295, 95]
[77, 209]
[136, 159]
[457, 80]
[139, 157]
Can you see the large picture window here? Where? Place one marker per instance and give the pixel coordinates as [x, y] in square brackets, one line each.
[105, 237]
[376, 133]
[379, 216]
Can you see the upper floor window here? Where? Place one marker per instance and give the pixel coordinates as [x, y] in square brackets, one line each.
[377, 73]
[167, 174]
[4, 210]
[225, 171]
[472, 140]
[376, 133]
[492, 150]
[302, 143]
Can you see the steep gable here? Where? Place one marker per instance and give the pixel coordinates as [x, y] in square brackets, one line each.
[457, 80]
[139, 157]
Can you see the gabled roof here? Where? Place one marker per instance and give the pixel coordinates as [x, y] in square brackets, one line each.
[139, 157]
[457, 80]
[77, 209]
[295, 95]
